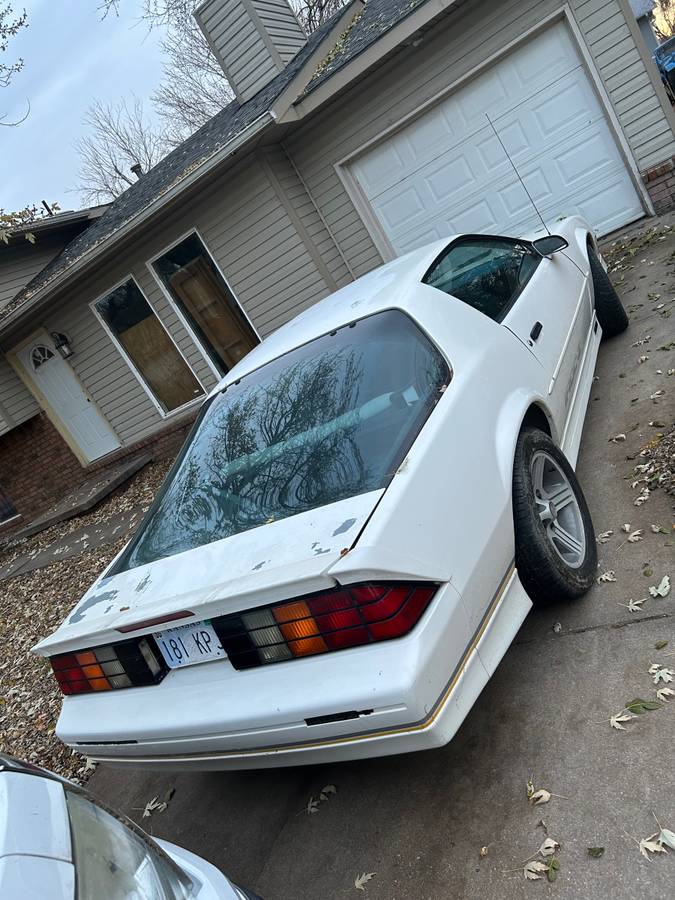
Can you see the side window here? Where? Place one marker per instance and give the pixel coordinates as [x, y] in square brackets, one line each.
[485, 272]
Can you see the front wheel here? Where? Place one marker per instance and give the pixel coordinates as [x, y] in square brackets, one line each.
[556, 553]
[609, 309]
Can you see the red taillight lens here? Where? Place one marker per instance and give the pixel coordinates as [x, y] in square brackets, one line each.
[125, 664]
[346, 617]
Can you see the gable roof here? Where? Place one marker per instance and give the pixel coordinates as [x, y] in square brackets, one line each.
[230, 124]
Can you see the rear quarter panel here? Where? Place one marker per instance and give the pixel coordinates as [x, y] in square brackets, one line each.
[447, 513]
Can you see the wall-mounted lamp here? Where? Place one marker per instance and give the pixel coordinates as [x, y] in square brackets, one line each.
[62, 344]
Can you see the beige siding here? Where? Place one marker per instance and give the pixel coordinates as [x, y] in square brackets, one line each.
[20, 264]
[255, 242]
[449, 52]
[16, 403]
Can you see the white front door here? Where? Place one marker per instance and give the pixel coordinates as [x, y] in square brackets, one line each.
[447, 173]
[67, 399]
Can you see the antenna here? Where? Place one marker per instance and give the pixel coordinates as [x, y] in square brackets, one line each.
[529, 196]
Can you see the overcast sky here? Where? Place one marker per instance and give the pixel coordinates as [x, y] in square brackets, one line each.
[71, 58]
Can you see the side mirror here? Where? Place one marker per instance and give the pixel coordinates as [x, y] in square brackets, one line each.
[545, 246]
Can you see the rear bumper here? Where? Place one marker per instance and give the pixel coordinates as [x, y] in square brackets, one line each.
[404, 695]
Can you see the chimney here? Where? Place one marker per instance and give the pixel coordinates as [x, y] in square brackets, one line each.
[137, 169]
[251, 39]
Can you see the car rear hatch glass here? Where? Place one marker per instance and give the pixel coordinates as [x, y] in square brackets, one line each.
[329, 420]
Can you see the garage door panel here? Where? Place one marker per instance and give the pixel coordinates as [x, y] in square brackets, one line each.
[447, 171]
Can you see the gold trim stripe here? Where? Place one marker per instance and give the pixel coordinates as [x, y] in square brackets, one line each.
[422, 725]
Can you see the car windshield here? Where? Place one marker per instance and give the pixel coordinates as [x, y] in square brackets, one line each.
[665, 49]
[328, 420]
[116, 862]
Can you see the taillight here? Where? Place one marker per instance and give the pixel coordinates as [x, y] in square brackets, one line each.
[125, 664]
[319, 623]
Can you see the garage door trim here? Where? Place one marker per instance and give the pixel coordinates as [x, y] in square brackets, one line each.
[565, 14]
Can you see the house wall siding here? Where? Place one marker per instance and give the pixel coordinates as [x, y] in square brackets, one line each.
[17, 404]
[448, 53]
[259, 248]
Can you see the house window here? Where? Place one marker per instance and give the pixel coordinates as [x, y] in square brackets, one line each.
[7, 508]
[203, 296]
[146, 343]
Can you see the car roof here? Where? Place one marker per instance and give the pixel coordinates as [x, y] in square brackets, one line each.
[390, 285]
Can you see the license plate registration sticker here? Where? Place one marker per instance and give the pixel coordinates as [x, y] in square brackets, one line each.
[189, 644]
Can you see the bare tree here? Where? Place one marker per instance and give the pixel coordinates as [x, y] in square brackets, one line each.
[10, 25]
[663, 18]
[193, 87]
[119, 137]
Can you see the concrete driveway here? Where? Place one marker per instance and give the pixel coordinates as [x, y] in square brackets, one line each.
[419, 821]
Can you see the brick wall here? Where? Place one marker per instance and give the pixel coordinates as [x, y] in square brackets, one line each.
[660, 182]
[37, 467]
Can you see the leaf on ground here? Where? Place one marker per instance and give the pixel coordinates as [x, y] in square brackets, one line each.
[635, 536]
[483, 852]
[665, 693]
[659, 645]
[659, 529]
[626, 527]
[154, 805]
[634, 605]
[615, 721]
[642, 359]
[648, 845]
[604, 536]
[548, 847]
[606, 576]
[642, 497]
[361, 880]
[667, 837]
[533, 869]
[661, 673]
[530, 788]
[662, 589]
[656, 395]
[616, 438]
[540, 796]
[595, 852]
[640, 706]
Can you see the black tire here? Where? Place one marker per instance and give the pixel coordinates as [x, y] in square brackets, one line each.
[608, 307]
[545, 574]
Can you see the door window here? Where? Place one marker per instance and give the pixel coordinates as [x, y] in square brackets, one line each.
[205, 299]
[145, 341]
[487, 273]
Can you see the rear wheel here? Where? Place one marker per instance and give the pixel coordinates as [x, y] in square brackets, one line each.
[608, 307]
[556, 554]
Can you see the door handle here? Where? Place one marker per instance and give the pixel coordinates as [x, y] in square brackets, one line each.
[536, 330]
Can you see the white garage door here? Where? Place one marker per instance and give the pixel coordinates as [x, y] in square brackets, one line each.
[446, 172]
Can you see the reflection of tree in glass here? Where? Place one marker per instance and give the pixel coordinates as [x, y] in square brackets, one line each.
[241, 475]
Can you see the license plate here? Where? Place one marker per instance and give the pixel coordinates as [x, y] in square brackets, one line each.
[189, 644]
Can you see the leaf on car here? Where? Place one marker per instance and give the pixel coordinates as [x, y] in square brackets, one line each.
[662, 589]
[154, 805]
[634, 605]
[326, 791]
[616, 438]
[607, 576]
[548, 847]
[604, 536]
[635, 536]
[665, 693]
[640, 706]
[540, 796]
[362, 880]
[649, 845]
[615, 721]
[595, 852]
[533, 869]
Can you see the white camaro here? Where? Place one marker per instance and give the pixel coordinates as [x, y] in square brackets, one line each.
[358, 523]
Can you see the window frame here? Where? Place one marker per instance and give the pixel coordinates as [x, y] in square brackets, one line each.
[179, 312]
[132, 366]
[467, 238]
